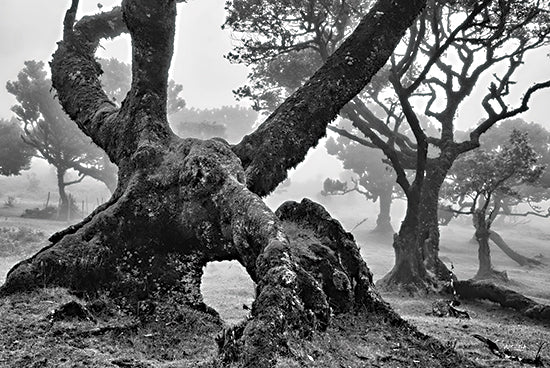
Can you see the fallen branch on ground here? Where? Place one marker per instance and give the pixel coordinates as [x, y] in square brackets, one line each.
[507, 354]
[505, 297]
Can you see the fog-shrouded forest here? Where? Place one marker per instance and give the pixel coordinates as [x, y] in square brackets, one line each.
[275, 184]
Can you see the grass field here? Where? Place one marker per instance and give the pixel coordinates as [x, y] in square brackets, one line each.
[226, 287]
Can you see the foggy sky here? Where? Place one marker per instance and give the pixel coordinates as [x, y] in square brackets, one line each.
[29, 29]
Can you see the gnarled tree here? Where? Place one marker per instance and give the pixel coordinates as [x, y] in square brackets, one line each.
[181, 203]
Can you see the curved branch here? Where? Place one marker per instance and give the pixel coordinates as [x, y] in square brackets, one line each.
[283, 140]
[141, 122]
[75, 72]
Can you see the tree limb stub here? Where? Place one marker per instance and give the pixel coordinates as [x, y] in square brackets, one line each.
[283, 140]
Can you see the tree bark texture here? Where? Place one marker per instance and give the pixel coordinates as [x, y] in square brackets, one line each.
[428, 233]
[181, 203]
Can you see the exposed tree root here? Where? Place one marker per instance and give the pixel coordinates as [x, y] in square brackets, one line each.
[505, 297]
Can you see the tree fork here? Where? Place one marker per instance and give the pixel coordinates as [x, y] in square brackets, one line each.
[181, 203]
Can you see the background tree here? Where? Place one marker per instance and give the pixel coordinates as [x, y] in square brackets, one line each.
[482, 179]
[441, 59]
[228, 122]
[539, 138]
[14, 156]
[181, 203]
[117, 78]
[53, 136]
[375, 179]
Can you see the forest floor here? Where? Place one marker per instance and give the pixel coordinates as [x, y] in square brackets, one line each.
[29, 336]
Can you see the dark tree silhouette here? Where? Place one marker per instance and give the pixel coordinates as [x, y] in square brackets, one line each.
[181, 203]
[117, 78]
[14, 155]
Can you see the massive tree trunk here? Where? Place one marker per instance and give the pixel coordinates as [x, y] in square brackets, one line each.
[409, 271]
[181, 203]
[428, 232]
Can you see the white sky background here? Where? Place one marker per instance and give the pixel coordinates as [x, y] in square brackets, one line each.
[29, 29]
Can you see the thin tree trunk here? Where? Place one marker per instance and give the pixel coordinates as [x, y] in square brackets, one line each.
[63, 199]
[408, 272]
[428, 233]
[485, 270]
[520, 259]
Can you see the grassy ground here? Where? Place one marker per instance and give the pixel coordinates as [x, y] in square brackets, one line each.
[29, 339]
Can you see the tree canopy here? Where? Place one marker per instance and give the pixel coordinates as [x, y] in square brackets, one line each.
[14, 156]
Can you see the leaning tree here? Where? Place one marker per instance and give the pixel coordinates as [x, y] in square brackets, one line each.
[482, 180]
[181, 203]
[443, 56]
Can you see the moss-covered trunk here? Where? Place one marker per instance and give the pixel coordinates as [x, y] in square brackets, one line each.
[181, 203]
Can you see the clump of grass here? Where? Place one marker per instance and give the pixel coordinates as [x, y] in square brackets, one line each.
[15, 240]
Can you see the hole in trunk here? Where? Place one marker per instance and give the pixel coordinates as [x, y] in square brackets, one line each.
[227, 287]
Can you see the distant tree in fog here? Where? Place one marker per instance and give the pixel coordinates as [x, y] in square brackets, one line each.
[482, 180]
[54, 137]
[374, 178]
[444, 54]
[539, 139]
[117, 78]
[14, 156]
[228, 122]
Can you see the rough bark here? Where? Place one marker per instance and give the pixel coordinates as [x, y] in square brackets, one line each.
[428, 233]
[409, 272]
[505, 297]
[265, 153]
[181, 203]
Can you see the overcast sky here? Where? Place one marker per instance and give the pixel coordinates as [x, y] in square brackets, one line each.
[29, 29]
